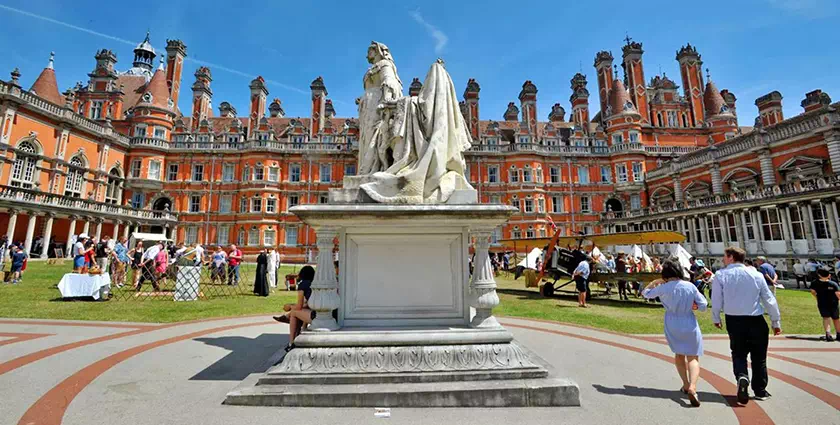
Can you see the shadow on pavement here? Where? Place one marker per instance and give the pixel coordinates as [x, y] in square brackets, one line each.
[805, 338]
[675, 395]
[247, 356]
[523, 294]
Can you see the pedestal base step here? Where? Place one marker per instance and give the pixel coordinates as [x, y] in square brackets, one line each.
[493, 393]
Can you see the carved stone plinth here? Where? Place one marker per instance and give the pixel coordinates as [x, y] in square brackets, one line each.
[414, 328]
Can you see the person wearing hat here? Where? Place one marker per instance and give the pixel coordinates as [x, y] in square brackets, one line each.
[79, 253]
[827, 293]
[768, 271]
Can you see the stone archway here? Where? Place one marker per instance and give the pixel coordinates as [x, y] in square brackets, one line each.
[614, 205]
[160, 204]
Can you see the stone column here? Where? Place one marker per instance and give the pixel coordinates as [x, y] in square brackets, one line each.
[45, 252]
[717, 184]
[704, 225]
[99, 222]
[741, 229]
[324, 297]
[808, 224]
[126, 230]
[483, 284]
[833, 144]
[116, 234]
[70, 232]
[30, 232]
[832, 226]
[756, 222]
[10, 230]
[680, 228]
[692, 227]
[86, 227]
[787, 232]
[768, 173]
[723, 221]
[678, 194]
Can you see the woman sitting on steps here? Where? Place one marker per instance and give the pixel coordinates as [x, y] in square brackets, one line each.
[299, 314]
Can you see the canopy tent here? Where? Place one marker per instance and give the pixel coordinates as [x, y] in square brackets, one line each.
[147, 237]
[597, 255]
[677, 250]
[532, 260]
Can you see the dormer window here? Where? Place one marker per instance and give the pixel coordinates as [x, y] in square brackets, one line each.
[96, 110]
[147, 97]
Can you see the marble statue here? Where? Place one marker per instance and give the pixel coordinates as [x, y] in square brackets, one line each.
[410, 148]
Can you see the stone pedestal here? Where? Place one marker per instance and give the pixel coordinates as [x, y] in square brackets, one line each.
[413, 329]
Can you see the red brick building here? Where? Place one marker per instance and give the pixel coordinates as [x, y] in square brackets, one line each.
[118, 153]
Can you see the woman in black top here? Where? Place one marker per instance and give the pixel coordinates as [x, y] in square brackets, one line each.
[136, 255]
[299, 313]
[260, 281]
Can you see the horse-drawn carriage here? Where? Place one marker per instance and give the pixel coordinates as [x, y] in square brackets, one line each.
[562, 254]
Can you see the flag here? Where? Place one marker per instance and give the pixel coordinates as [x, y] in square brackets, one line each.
[551, 222]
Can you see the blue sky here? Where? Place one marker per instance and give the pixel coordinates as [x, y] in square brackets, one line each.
[751, 46]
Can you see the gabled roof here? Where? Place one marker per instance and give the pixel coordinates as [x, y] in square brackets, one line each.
[158, 89]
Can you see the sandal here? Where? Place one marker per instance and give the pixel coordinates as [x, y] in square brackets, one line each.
[692, 397]
[289, 347]
[281, 319]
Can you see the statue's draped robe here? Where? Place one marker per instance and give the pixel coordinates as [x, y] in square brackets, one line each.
[426, 136]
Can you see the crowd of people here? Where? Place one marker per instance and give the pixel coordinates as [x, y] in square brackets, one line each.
[156, 261]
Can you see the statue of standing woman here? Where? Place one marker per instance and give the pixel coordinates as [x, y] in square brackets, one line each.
[410, 148]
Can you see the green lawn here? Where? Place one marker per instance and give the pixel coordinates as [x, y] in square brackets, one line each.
[37, 297]
[799, 310]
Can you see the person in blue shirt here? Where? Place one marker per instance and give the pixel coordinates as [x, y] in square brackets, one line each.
[742, 294]
[581, 277]
[120, 261]
[770, 275]
[682, 331]
[18, 257]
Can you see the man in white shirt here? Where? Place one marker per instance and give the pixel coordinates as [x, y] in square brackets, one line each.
[273, 265]
[743, 295]
[147, 266]
[581, 277]
[199, 254]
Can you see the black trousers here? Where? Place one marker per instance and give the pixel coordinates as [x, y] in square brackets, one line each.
[147, 274]
[749, 335]
[622, 289]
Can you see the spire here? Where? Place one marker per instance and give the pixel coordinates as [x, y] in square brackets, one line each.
[45, 86]
[157, 92]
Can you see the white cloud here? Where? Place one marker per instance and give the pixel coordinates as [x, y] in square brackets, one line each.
[440, 38]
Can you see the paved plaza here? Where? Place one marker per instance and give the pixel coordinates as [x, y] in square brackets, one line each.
[65, 372]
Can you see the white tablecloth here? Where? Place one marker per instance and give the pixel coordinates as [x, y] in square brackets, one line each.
[85, 285]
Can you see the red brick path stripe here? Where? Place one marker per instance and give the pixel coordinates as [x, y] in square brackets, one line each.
[821, 368]
[751, 414]
[803, 350]
[50, 408]
[78, 324]
[17, 337]
[38, 355]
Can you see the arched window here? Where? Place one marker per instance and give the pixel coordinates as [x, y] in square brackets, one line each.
[517, 234]
[74, 181]
[684, 120]
[254, 236]
[113, 194]
[240, 239]
[23, 170]
[530, 232]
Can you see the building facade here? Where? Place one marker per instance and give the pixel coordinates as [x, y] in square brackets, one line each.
[118, 154]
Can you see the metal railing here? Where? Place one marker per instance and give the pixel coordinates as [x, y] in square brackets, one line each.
[35, 198]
